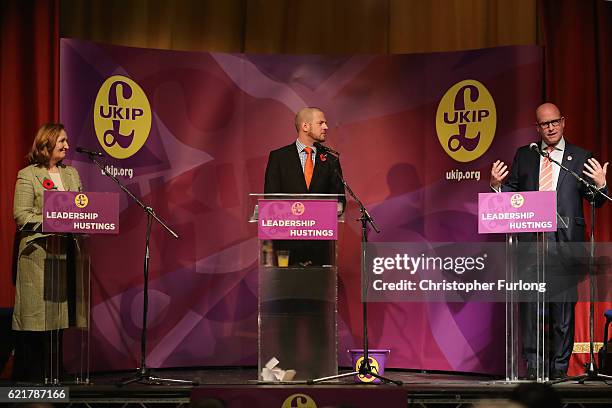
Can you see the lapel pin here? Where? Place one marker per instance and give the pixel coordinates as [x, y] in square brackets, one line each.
[569, 158]
[323, 157]
[48, 184]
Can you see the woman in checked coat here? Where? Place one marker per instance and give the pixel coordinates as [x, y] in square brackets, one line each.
[50, 286]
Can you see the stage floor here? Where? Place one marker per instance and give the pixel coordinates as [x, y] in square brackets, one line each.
[421, 389]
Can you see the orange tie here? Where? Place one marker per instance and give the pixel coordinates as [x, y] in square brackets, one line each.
[308, 166]
[546, 172]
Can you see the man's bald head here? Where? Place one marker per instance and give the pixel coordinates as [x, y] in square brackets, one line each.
[305, 115]
[548, 109]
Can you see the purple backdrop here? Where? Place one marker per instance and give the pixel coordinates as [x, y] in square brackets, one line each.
[213, 120]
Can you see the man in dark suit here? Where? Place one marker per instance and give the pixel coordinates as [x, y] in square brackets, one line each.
[532, 172]
[298, 329]
[299, 168]
[287, 167]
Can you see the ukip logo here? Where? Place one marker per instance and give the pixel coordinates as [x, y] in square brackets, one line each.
[466, 120]
[122, 117]
[299, 401]
[81, 200]
[517, 200]
[373, 365]
[297, 208]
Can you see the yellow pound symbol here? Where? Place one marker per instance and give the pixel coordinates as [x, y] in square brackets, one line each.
[466, 120]
[373, 365]
[81, 200]
[299, 401]
[517, 200]
[122, 117]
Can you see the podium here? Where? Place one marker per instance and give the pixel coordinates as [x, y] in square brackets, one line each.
[297, 274]
[53, 284]
[529, 221]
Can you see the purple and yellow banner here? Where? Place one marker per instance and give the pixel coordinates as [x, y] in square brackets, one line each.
[81, 213]
[190, 133]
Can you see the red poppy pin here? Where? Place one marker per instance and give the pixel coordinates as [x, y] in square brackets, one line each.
[323, 157]
[48, 184]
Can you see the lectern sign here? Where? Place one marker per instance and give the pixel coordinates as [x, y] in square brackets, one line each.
[85, 213]
[514, 212]
[298, 219]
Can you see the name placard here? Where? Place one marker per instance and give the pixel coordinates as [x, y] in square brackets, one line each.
[82, 213]
[298, 219]
[515, 212]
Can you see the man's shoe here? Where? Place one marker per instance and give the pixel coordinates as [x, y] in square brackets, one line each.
[531, 374]
[558, 375]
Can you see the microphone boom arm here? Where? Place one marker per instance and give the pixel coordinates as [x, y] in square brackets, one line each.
[589, 186]
[145, 207]
[326, 149]
[364, 212]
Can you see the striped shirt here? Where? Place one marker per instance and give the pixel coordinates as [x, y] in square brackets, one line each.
[300, 148]
[556, 154]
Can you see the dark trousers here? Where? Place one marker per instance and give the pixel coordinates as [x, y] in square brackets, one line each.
[563, 272]
[38, 356]
[560, 332]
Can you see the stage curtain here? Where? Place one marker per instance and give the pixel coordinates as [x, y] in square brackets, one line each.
[303, 26]
[29, 56]
[578, 55]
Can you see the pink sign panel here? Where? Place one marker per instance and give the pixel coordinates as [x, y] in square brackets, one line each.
[514, 212]
[298, 219]
[81, 213]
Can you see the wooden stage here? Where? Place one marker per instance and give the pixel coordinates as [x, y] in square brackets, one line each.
[233, 387]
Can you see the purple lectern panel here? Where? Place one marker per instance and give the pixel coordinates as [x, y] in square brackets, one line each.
[298, 219]
[514, 212]
[83, 213]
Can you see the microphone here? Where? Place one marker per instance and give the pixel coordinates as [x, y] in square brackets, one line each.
[325, 149]
[536, 148]
[89, 152]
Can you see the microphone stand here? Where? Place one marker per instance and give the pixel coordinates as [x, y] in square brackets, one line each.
[365, 368]
[143, 374]
[591, 373]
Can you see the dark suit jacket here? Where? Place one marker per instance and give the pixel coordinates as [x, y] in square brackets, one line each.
[525, 176]
[284, 173]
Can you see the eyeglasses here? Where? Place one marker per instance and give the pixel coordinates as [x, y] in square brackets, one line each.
[554, 123]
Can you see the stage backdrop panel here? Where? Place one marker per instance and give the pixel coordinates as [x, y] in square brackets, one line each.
[190, 133]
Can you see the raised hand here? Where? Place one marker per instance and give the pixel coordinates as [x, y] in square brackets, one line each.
[596, 172]
[499, 171]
